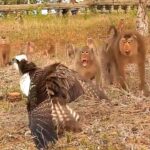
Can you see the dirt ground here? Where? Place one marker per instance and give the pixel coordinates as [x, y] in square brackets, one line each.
[122, 125]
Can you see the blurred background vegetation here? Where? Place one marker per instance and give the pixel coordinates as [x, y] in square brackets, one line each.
[5, 2]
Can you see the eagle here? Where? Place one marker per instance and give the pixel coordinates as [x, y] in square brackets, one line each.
[48, 91]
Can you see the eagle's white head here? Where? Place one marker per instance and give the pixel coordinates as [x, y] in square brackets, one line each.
[16, 61]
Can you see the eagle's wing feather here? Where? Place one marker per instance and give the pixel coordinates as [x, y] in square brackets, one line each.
[41, 124]
[64, 83]
[73, 85]
[50, 118]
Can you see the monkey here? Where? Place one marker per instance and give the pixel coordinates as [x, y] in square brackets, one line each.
[112, 32]
[28, 48]
[130, 48]
[126, 48]
[4, 51]
[87, 64]
[121, 26]
[70, 51]
[108, 67]
[19, 18]
[50, 49]
[92, 45]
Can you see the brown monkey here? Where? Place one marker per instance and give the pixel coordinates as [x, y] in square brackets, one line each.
[50, 49]
[121, 26]
[87, 64]
[108, 66]
[19, 18]
[70, 51]
[125, 48]
[112, 32]
[4, 51]
[129, 47]
[28, 48]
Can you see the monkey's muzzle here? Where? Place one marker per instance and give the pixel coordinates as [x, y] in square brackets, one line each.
[84, 62]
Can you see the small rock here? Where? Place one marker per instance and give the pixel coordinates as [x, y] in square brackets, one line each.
[134, 130]
[14, 96]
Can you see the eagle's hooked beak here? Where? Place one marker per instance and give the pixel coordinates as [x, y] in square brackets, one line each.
[12, 61]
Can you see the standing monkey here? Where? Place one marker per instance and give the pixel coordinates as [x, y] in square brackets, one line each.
[126, 48]
[4, 51]
[130, 48]
[121, 26]
[87, 64]
[107, 60]
[29, 49]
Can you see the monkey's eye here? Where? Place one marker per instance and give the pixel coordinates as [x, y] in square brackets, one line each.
[130, 41]
[123, 41]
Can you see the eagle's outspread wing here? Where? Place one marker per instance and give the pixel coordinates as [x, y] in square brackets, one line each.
[72, 85]
[41, 125]
[52, 116]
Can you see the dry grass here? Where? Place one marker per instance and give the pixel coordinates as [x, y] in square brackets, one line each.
[125, 125]
[41, 29]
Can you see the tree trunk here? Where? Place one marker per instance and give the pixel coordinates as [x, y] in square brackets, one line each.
[142, 18]
[28, 2]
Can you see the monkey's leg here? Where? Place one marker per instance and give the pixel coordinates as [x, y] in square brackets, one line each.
[122, 76]
[141, 68]
[142, 85]
[6, 59]
[2, 61]
[105, 70]
[98, 78]
[113, 74]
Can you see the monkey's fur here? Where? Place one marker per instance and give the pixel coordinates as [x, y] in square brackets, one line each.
[124, 48]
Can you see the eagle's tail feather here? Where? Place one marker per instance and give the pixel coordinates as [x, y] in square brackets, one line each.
[42, 126]
[50, 118]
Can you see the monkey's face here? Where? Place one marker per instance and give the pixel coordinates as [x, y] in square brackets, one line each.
[85, 57]
[128, 45]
